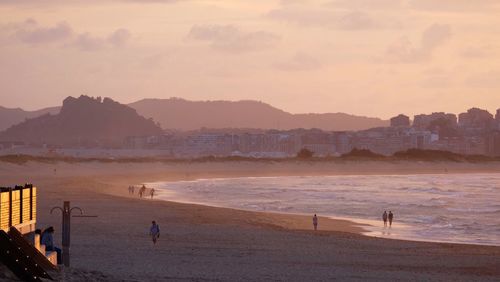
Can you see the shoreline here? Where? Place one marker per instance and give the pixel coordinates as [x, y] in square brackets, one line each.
[334, 223]
[362, 226]
[200, 242]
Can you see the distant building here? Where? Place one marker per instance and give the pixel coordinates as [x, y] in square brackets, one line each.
[425, 121]
[497, 119]
[11, 144]
[472, 145]
[493, 144]
[321, 143]
[343, 142]
[475, 119]
[421, 139]
[400, 120]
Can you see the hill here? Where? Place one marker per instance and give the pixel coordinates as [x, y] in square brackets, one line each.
[9, 117]
[83, 121]
[176, 113]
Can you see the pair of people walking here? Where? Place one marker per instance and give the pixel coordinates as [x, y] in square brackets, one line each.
[386, 217]
[142, 191]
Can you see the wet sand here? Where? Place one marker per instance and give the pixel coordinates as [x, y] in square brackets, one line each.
[201, 243]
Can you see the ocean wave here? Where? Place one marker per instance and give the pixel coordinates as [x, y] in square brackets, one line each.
[454, 207]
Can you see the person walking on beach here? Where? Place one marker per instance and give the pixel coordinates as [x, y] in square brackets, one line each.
[384, 218]
[315, 222]
[142, 190]
[132, 188]
[154, 231]
[152, 192]
[391, 216]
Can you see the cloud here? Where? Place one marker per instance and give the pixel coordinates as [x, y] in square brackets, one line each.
[119, 38]
[290, 2]
[455, 5]
[88, 42]
[436, 81]
[403, 51]
[324, 17]
[366, 4]
[478, 52]
[300, 62]
[155, 1]
[80, 2]
[31, 33]
[484, 80]
[231, 38]
[434, 36]
[355, 21]
[302, 16]
[152, 62]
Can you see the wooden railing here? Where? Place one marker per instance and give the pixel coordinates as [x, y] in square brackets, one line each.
[18, 208]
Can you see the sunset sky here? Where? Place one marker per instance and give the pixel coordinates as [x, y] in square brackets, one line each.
[364, 57]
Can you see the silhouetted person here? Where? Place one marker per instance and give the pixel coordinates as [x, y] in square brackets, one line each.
[391, 216]
[132, 189]
[48, 241]
[152, 192]
[142, 190]
[384, 218]
[315, 222]
[154, 231]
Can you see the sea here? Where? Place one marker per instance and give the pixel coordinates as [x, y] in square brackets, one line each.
[454, 208]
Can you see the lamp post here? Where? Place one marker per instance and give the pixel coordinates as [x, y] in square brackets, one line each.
[66, 225]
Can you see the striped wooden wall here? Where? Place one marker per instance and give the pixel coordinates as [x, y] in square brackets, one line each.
[17, 207]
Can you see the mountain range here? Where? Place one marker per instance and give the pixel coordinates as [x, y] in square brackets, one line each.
[83, 122]
[10, 117]
[180, 114]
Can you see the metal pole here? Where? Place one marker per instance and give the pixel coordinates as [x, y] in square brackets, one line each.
[66, 230]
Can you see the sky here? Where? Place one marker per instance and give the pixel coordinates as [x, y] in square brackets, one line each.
[366, 57]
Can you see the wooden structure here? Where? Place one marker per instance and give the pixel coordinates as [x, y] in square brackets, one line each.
[18, 208]
[27, 259]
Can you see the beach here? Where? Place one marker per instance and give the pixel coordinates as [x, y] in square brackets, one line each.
[200, 243]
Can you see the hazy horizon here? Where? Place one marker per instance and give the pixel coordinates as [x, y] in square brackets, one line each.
[366, 58]
[243, 100]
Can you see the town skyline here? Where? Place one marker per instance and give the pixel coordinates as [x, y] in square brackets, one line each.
[368, 58]
[123, 130]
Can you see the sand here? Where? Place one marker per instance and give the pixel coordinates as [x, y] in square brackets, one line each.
[200, 243]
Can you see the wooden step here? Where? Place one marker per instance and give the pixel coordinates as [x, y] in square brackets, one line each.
[31, 251]
[20, 263]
